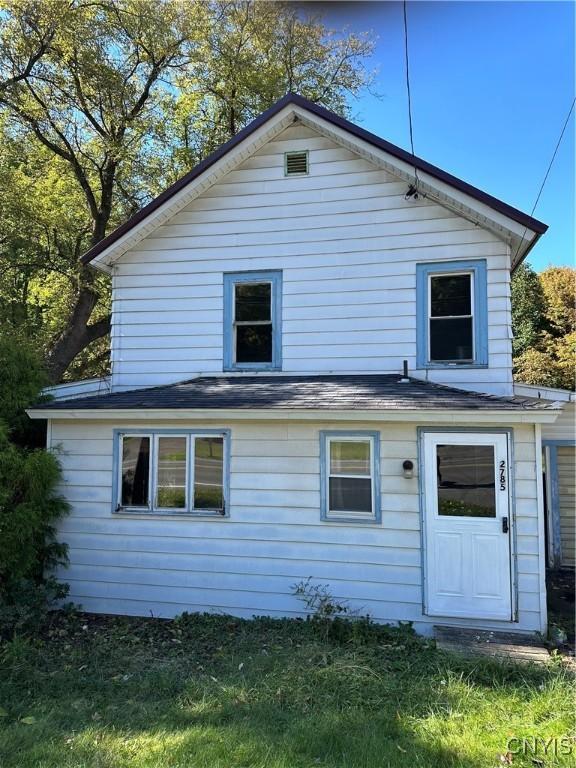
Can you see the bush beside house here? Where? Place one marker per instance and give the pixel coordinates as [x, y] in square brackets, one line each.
[29, 502]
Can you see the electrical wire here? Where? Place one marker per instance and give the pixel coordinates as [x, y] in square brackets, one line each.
[550, 164]
[407, 67]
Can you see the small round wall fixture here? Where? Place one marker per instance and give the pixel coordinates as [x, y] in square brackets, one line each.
[408, 469]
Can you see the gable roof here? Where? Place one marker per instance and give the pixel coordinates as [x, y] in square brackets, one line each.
[292, 99]
[346, 392]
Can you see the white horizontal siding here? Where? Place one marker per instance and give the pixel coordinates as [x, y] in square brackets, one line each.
[247, 564]
[347, 243]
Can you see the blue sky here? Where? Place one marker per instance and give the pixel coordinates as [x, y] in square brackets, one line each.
[492, 83]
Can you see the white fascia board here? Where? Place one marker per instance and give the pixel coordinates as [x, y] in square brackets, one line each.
[265, 133]
[544, 393]
[500, 417]
[444, 193]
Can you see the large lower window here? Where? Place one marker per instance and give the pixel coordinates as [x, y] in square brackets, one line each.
[451, 314]
[350, 476]
[182, 473]
[252, 318]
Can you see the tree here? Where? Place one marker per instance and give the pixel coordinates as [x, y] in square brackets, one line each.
[559, 290]
[122, 96]
[528, 309]
[544, 317]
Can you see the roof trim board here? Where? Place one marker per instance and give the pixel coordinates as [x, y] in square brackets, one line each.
[434, 181]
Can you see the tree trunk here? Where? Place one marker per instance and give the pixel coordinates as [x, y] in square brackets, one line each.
[78, 333]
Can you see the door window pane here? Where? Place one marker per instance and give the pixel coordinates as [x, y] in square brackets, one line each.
[253, 301]
[451, 338]
[350, 494]
[171, 473]
[135, 471]
[450, 295]
[254, 343]
[209, 473]
[466, 480]
[349, 457]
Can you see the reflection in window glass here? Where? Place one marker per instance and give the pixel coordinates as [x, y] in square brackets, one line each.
[209, 473]
[451, 322]
[254, 343]
[253, 301]
[349, 481]
[466, 480]
[253, 322]
[171, 473]
[349, 457]
[135, 471]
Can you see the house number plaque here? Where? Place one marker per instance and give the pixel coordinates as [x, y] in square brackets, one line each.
[502, 475]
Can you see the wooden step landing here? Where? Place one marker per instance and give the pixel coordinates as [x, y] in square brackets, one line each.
[501, 645]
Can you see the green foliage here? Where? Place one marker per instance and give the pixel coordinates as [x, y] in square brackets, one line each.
[214, 690]
[528, 309]
[26, 606]
[102, 105]
[544, 324]
[29, 503]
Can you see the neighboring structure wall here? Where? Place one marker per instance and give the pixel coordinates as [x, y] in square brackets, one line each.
[559, 441]
[347, 242]
[248, 564]
[566, 497]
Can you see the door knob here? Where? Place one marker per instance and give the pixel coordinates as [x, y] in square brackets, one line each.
[504, 525]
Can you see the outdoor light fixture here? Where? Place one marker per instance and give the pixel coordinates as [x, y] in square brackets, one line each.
[408, 468]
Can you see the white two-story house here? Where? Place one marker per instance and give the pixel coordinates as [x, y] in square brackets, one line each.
[311, 377]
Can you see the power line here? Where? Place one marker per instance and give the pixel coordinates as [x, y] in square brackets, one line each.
[545, 179]
[407, 66]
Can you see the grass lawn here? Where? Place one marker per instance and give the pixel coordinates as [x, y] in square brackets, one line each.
[216, 692]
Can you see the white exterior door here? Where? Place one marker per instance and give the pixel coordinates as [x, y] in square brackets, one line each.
[467, 525]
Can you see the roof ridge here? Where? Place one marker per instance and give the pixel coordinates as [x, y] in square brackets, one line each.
[496, 204]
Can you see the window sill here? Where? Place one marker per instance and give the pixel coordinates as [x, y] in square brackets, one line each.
[450, 366]
[205, 514]
[354, 520]
[247, 368]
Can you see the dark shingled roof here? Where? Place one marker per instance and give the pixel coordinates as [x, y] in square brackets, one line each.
[292, 98]
[374, 392]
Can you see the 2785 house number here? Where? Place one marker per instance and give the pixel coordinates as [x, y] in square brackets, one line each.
[502, 475]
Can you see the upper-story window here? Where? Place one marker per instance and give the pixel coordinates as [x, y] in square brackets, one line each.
[252, 321]
[452, 316]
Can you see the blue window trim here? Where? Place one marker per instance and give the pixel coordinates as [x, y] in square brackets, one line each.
[151, 511]
[230, 280]
[553, 503]
[325, 435]
[423, 272]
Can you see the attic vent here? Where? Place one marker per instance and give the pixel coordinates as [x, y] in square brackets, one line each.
[296, 163]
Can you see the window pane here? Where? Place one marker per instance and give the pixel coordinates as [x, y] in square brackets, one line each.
[450, 295]
[451, 339]
[254, 343]
[135, 471]
[466, 480]
[349, 457]
[253, 301]
[350, 494]
[209, 473]
[171, 479]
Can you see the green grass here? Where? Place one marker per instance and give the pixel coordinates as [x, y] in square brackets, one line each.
[216, 692]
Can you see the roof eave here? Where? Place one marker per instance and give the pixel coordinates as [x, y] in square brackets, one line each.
[96, 255]
[427, 415]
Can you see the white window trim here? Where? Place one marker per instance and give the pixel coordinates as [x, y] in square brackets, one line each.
[373, 439]
[151, 508]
